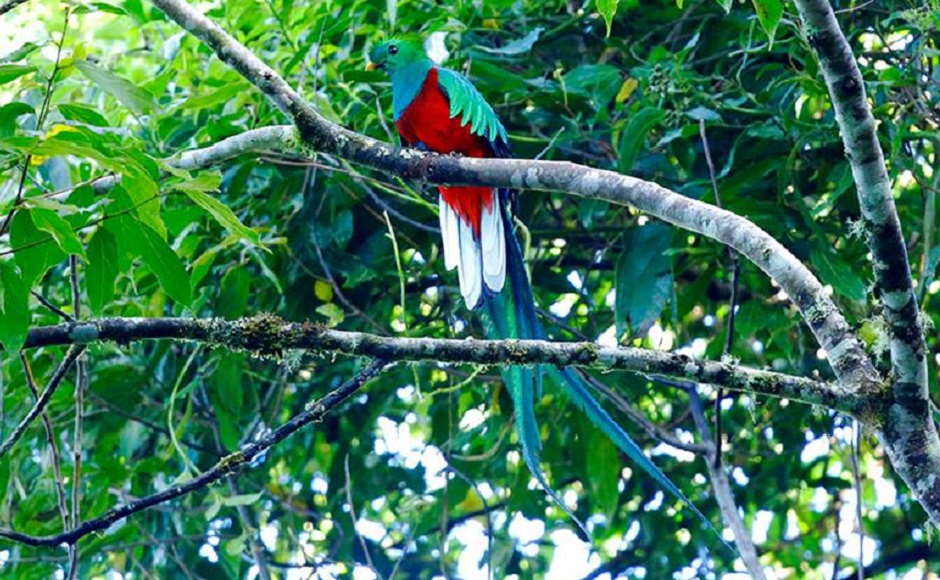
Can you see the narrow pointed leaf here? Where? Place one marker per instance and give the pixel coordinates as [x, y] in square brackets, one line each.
[102, 270]
[14, 308]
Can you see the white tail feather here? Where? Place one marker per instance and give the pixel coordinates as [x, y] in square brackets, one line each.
[470, 271]
[450, 235]
[493, 244]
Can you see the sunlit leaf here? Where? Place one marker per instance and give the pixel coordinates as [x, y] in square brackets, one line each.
[11, 72]
[83, 114]
[196, 191]
[835, 271]
[130, 95]
[35, 251]
[608, 9]
[60, 230]
[769, 13]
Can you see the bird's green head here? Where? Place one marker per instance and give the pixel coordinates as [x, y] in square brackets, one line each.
[397, 53]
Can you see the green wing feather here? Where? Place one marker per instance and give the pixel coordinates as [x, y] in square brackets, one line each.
[467, 103]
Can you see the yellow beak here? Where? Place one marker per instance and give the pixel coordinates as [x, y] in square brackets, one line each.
[371, 66]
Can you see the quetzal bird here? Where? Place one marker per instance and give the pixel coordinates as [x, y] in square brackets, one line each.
[437, 109]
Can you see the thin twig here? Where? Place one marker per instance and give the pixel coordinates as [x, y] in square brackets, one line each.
[247, 523]
[112, 408]
[733, 303]
[654, 431]
[353, 515]
[53, 444]
[43, 111]
[74, 352]
[81, 380]
[724, 494]
[55, 309]
[309, 180]
[227, 466]
[857, 480]
[486, 510]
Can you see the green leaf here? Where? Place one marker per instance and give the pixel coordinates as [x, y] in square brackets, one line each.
[633, 137]
[14, 308]
[214, 507]
[834, 271]
[9, 114]
[21, 52]
[644, 277]
[233, 296]
[240, 500]
[140, 239]
[130, 95]
[769, 13]
[83, 114]
[34, 251]
[602, 465]
[165, 265]
[342, 228]
[598, 82]
[11, 72]
[608, 8]
[138, 171]
[60, 230]
[333, 313]
[224, 216]
[102, 270]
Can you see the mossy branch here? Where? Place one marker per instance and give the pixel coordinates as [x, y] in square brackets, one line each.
[267, 335]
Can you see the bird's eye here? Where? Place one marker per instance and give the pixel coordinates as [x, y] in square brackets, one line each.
[392, 49]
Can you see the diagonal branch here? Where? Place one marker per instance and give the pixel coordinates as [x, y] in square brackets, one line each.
[905, 425]
[845, 353]
[879, 215]
[74, 352]
[10, 5]
[227, 466]
[269, 335]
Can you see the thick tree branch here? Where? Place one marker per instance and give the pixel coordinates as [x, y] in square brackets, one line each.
[905, 426]
[277, 137]
[845, 353]
[271, 336]
[879, 215]
[227, 466]
[7, 6]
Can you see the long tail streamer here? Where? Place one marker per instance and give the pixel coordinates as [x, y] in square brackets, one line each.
[512, 315]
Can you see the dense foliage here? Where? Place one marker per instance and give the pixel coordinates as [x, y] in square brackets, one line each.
[427, 454]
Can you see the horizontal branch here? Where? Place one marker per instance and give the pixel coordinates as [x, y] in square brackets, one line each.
[845, 353]
[226, 466]
[276, 137]
[271, 336]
